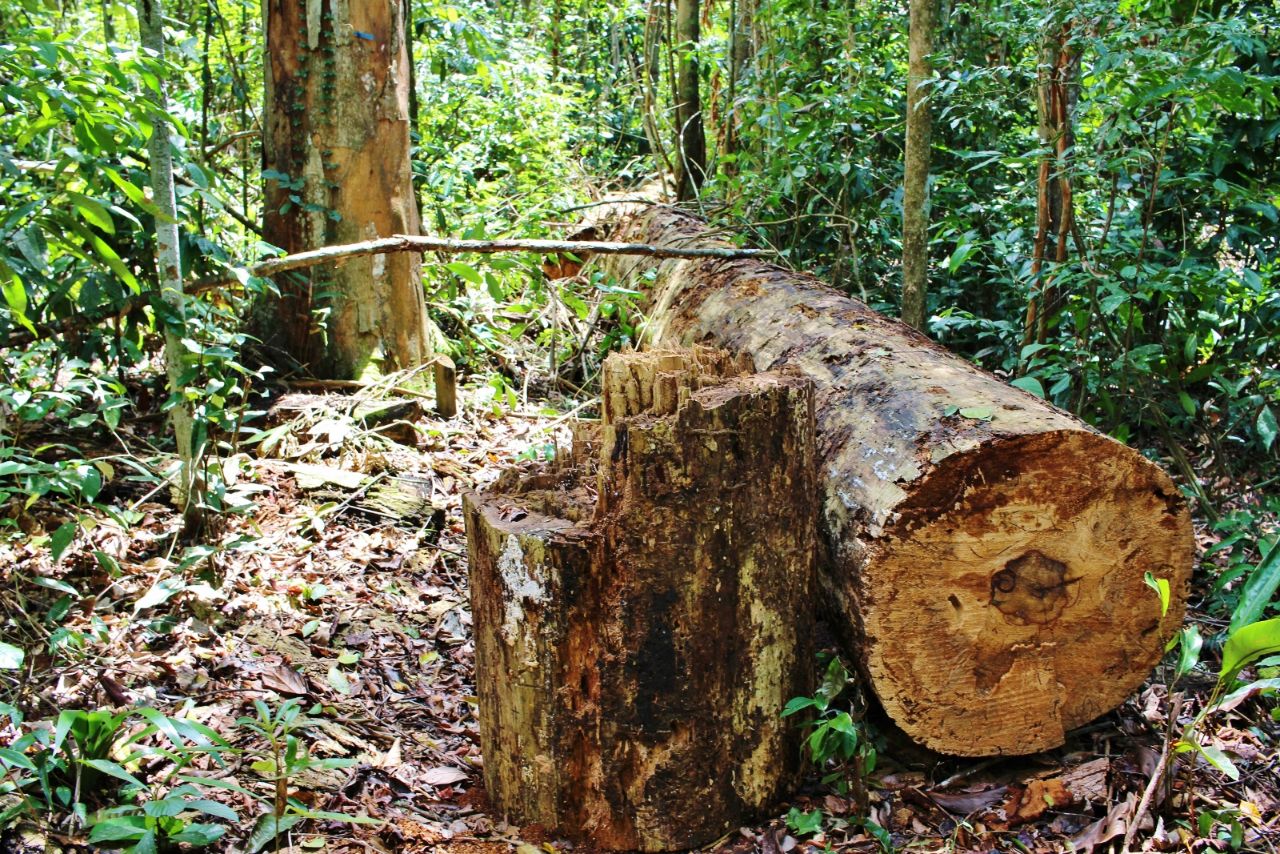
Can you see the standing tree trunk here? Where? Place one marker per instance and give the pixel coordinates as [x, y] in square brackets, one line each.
[985, 552]
[556, 36]
[691, 140]
[915, 181]
[1057, 93]
[636, 642]
[336, 157]
[741, 49]
[169, 268]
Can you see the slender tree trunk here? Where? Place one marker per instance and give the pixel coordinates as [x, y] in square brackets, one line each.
[691, 141]
[915, 182]
[1057, 93]
[741, 49]
[169, 266]
[648, 75]
[336, 144]
[556, 15]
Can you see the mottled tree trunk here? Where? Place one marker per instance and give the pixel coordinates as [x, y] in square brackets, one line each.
[691, 139]
[169, 274]
[915, 182]
[639, 628]
[1057, 92]
[985, 551]
[337, 149]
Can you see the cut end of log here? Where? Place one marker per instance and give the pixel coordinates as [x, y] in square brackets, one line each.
[986, 551]
[1012, 585]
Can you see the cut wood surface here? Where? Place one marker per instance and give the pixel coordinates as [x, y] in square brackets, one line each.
[640, 629]
[985, 551]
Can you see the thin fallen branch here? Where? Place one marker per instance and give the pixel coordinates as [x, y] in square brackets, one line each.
[381, 246]
[1157, 776]
[411, 243]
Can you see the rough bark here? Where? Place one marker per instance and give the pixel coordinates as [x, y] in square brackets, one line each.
[634, 650]
[337, 125]
[169, 270]
[915, 181]
[691, 139]
[985, 551]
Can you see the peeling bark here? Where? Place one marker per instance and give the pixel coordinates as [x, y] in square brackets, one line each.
[169, 274]
[337, 125]
[639, 628]
[985, 551]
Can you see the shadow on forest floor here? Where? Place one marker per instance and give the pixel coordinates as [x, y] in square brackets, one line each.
[346, 588]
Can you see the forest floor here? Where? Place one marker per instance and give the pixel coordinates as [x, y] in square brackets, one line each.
[356, 606]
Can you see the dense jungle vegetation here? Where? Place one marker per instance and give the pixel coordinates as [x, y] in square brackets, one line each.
[1141, 226]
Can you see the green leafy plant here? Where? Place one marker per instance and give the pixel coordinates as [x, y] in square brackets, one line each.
[841, 746]
[78, 771]
[283, 756]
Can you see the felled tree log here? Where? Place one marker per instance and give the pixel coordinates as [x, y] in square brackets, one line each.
[985, 551]
[639, 628]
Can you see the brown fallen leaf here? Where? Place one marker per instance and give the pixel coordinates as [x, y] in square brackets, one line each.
[1105, 829]
[285, 680]
[1028, 803]
[443, 775]
[969, 802]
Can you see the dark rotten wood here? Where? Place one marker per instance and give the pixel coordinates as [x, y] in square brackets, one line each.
[643, 609]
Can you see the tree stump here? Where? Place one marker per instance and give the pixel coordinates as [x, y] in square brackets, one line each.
[985, 551]
[643, 608]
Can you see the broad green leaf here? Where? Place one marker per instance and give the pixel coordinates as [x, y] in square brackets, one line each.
[798, 704]
[1267, 427]
[15, 759]
[131, 190]
[15, 296]
[199, 835]
[11, 657]
[160, 592]
[213, 808]
[219, 783]
[1247, 644]
[148, 844]
[1161, 586]
[1030, 384]
[93, 211]
[1191, 642]
[1215, 757]
[163, 724]
[465, 271]
[54, 584]
[113, 769]
[978, 413]
[267, 828]
[1243, 693]
[1188, 405]
[1258, 589]
[112, 260]
[118, 829]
